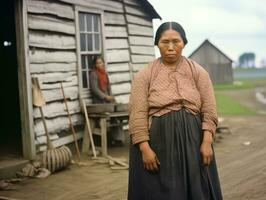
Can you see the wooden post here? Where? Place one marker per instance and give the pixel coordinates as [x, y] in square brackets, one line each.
[24, 80]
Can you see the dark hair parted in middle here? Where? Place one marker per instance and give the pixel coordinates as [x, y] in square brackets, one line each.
[167, 26]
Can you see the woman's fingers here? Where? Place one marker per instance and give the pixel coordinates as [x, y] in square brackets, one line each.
[206, 153]
[207, 160]
[204, 160]
[151, 166]
[154, 166]
[149, 158]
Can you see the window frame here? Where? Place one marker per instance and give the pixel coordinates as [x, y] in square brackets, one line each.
[85, 93]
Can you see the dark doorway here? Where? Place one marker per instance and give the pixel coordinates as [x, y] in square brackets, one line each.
[10, 129]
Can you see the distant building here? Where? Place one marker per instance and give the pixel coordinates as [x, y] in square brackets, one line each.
[218, 65]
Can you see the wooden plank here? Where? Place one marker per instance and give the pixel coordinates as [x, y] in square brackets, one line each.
[56, 125]
[42, 56]
[50, 24]
[132, 2]
[61, 141]
[118, 67]
[55, 77]
[69, 82]
[115, 31]
[86, 97]
[118, 161]
[134, 73]
[135, 11]
[51, 41]
[121, 88]
[139, 66]
[56, 109]
[141, 40]
[43, 139]
[142, 50]
[114, 18]
[106, 5]
[49, 7]
[116, 43]
[141, 58]
[52, 67]
[122, 98]
[117, 56]
[87, 101]
[139, 20]
[140, 30]
[56, 94]
[119, 77]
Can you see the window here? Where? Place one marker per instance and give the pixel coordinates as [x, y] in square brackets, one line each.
[90, 43]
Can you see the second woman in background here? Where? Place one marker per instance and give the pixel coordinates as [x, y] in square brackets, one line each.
[101, 93]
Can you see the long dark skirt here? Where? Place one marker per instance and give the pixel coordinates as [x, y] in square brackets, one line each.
[175, 138]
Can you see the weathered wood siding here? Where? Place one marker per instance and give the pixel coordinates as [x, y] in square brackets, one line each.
[53, 59]
[218, 66]
[140, 31]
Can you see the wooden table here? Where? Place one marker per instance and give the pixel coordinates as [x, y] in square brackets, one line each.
[104, 119]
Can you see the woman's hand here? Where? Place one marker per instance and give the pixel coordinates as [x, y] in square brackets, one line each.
[109, 98]
[206, 148]
[149, 158]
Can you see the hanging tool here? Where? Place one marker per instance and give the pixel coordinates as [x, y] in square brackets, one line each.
[70, 123]
[88, 129]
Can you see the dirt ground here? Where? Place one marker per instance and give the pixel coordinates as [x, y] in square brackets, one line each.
[240, 157]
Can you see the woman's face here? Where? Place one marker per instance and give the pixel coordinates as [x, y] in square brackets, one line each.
[99, 63]
[170, 45]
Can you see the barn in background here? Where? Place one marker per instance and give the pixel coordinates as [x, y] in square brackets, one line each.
[218, 65]
[56, 41]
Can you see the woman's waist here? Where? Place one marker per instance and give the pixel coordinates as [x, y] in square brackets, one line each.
[163, 109]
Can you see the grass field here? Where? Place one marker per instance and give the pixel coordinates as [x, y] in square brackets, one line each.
[227, 105]
[242, 83]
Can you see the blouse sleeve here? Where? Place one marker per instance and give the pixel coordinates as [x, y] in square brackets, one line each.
[95, 87]
[208, 103]
[109, 89]
[138, 108]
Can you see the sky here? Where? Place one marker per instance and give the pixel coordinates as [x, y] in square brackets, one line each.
[234, 26]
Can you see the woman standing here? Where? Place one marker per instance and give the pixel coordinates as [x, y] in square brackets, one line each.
[172, 124]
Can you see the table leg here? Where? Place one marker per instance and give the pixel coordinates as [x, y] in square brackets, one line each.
[86, 140]
[103, 136]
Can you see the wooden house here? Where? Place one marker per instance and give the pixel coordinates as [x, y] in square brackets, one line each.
[56, 40]
[218, 65]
